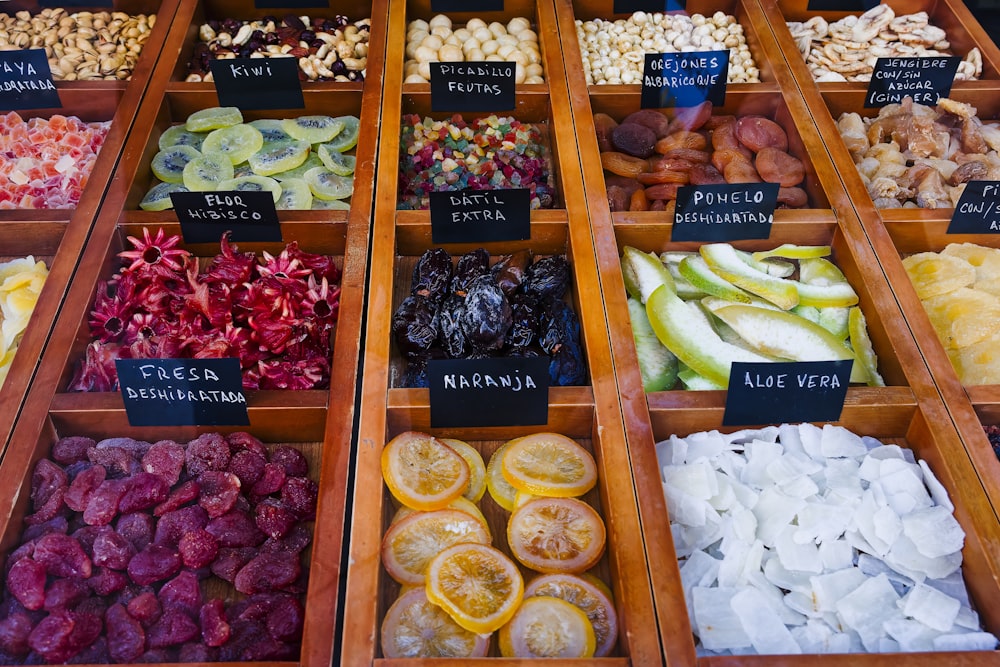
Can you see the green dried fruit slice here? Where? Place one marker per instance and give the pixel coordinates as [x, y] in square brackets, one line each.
[347, 138]
[237, 142]
[327, 185]
[168, 165]
[314, 129]
[330, 205]
[271, 129]
[279, 157]
[311, 162]
[213, 118]
[338, 163]
[158, 197]
[295, 196]
[179, 135]
[206, 171]
[252, 184]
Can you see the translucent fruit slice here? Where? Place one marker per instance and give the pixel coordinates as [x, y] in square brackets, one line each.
[556, 535]
[422, 472]
[416, 628]
[819, 271]
[792, 251]
[861, 343]
[314, 129]
[168, 165]
[280, 156]
[311, 162]
[238, 142]
[327, 185]
[547, 627]
[933, 274]
[590, 595]
[158, 197]
[338, 163]
[179, 135]
[213, 118]
[462, 504]
[252, 183]
[979, 363]
[347, 138]
[697, 272]
[476, 584]
[783, 334]
[657, 364]
[643, 273]
[964, 316]
[205, 172]
[724, 260]
[295, 196]
[271, 129]
[330, 204]
[410, 544]
[477, 469]
[549, 464]
[500, 489]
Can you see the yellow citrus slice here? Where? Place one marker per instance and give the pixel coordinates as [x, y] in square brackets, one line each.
[409, 545]
[422, 472]
[549, 464]
[547, 627]
[591, 595]
[477, 469]
[415, 628]
[522, 497]
[500, 489]
[556, 535]
[462, 504]
[933, 274]
[476, 584]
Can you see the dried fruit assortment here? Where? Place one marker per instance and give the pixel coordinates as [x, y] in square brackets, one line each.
[830, 543]
[491, 153]
[462, 589]
[21, 282]
[46, 161]
[993, 435]
[960, 291]
[474, 310]
[648, 156]
[912, 155]
[124, 533]
[327, 49]
[304, 162]
[277, 314]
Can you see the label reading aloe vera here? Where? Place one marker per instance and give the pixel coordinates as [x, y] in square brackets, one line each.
[204, 216]
[26, 81]
[792, 391]
[725, 212]
[978, 210]
[258, 83]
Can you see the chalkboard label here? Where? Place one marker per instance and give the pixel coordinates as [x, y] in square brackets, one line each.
[923, 79]
[792, 391]
[258, 83]
[204, 216]
[183, 392]
[489, 392]
[630, 6]
[465, 6]
[472, 86]
[978, 210]
[684, 79]
[75, 3]
[725, 212]
[26, 81]
[841, 5]
[289, 4]
[480, 216]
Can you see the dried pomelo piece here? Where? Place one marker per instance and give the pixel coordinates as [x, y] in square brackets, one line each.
[933, 274]
[415, 628]
[500, 489]
[591, 595]
[422, 472]
[547, 627]
[477, 585]
[549, 464]
[410, 544]
[462, 504]
[556, 535]
[477, 469]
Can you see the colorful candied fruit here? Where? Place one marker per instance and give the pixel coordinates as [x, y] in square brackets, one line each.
[21, 282]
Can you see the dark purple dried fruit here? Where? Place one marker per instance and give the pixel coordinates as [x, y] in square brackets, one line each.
[71, 449]
[138, 528]
[126, 638]
[295, 541]
[236, 529]
[415, 326]
[219, 491]
[274, 518]
[154, 563]
[509, 272]
[50, 510]
[173, 525]
[487, 315]
[292, 460]
[470, 266]
[26, 581]
[633, 139]
[178, 498]
[112, 550]
[174, 628]
[145, 608]
[46, 479]
[215, 628]
[52, 637]
[241, 440]
[195, 651]
[209, 451]
[525, 315]
[63, 594]
[268, 572]
[62, 556]
[83, 486]
[248, 466]
[431, 275]
[118, 462]
[165, 459]
[285, 620]
[230, 561]
[183, 593]
[271, 481]
[650, 118]
[103, 504]
[142, 491]
[450, 316]
[14, 631]
[299, 494]
[548, 278]
[107, 582]
[198, 548]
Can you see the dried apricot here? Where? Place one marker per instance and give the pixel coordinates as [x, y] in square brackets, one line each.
[681, 139]
[604, 124]
[776, 166]
[617, 198]
[722, 158]
[757, 132]
[663, 191]
[664, 176]
[691, 118]
[792, 197]
[738, 171]
[689, 154]
[622, 164]
[705, 174]
[639, 201]
[654, 120]
[662, 162]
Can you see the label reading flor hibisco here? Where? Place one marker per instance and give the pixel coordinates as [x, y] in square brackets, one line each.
[250, 215]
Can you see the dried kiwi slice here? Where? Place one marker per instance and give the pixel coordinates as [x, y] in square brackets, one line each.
[278, 157]
[271, 129]
[312, 161]
[314, 129]
[252, 184]
[327, 185]
[295, 195]
[168, 165]
[348, 137]
[238, 142]
[158, 197]
[330, 205]
[338, 163]
[213, 118]
[242, 169]
[206, 171]
[178, 135]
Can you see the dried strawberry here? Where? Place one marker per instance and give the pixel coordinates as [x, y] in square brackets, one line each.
[103, 504]
[197, 652]
[118, 461]
[235, 529]
[14, 631]
[299, 494]
[137, 528]
[46, 479]
[273, 518]
[64, 594]
[154, 563]
[182, 593]
[26, 581]
[219, 491]
[174, 627]
[143, 490]
[62, 556]
[50, 510]
[145, 608]
[198, 548]
[230, 561]
[107, 582]
[52, 637]
[179, 497]
[71, 449]
[112, 550]
[285, 620]
[207, 452]
[137, 448]
[172, 525]
[292, 460]
[241, 440]
[126, 638]
[95, 654]
[248, 466]
[268, 649]
[57, 524]
[271, 481]
[83, 487]
[267, 572]
[214, 627]
[166, 459]
[87, 625]
[294, 542]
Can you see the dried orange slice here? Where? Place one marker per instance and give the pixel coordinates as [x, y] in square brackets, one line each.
[547, 627]
[549, 464]
[422, 472]
[462, 504]
[476, 584]
[410, 544]
[556, 535]
[477, 469]
[415, 628]
[588, 593]
[500, 489]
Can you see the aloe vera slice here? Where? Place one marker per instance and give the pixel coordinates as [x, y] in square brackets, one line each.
[792, 251]
[697, 272]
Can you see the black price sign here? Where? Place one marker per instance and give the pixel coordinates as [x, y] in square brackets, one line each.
[464, 6]
[258, 83]
[630, 6]
[978, 210]
[472, 86]
[684, 79]
[725, 212]
[841, 5]
[76, 3]
[489, 392]
[923, 79]
[26, 81]
[480, 216]
[289, 4]
[787, 391]
[250, 215]
[183, 392]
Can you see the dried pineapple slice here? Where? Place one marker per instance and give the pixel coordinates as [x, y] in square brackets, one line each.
[933, 274]
[964, 316]
[979, 363]
[986, 260]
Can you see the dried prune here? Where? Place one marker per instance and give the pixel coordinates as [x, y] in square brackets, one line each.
[285, 620]
[174, 628]
[112, 550]
[142, 491]
[450, 317]
[548, 278]
[431, 275]
[604, 124]
[183, 593]
[83, 486]
[145, 608]
[14, 631]
[214, 626]
[633, 139]
[137, 528]
[470, 266]
[165, 459]
[561, 335]
[268, 572]
[62, 556]
[107, 582]
[209, 451]
[180, 497]
[757, 132]
[198, 548]
[126, 638]
[218, 492]
[271, 481]
[487, 315]
[525, 314]
[299, 494]
[654, 120]
[777, 166]
[510, 270]
[26, 581]
[154, 563]
[236, 529]
[230, 561]
[172, 525]
[248, 466]
[292, 460]
[415, 326]
[46, 479]
[103, 504]
[415, 375]
[71, 449]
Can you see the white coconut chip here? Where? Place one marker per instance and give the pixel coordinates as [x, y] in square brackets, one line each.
[931, 607]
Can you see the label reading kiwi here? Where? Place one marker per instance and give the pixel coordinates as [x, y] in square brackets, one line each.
[923, 79]
[684, 79]
[725, 212]
[183, 392]
[786, 392]
[629, 6]
[480, 216]
[258, 83]
[472, 86]
[978, 210]
[26, 81]
[204, 216]
[512, 391]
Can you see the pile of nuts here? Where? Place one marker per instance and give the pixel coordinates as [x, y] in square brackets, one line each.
[83, 46]
[614, 51]
[846, 50]
[436, 41]
[328, 49]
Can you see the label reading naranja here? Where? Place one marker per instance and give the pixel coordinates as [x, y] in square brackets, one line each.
[684, 79]
[258, 83]
[787, 391]
[923, 79]
[26, 81]
[978, 210]
[630, 6]
[725, 212]
[472, 86]
[183, 392]
[464, 6]
[489, 392]
[204, 216]
[480, 216]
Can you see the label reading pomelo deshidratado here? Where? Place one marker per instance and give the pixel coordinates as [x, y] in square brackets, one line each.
[480, 216]
[978, 209]
[781, 392]
[26, 81]
[724, 212]
[684, 79]
[183, 392]
[204, 216]
[512, 391]
[258, 83]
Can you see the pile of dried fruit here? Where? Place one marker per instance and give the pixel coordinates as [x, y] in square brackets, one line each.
[993, 435]
[304, 162]
[46, 161]
[277, 316]
[461, 588]
[959, 290]
[21, 282]
[514, 308]
[492, 153]
[110, 565]
[648, 156]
